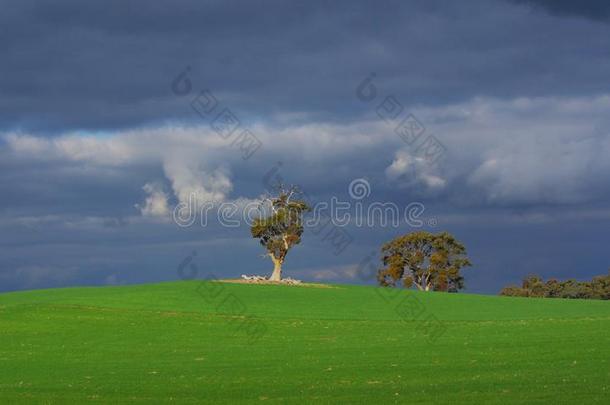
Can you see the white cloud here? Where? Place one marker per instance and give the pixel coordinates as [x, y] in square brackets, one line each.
[155, 204]
[328, 273]
[526, 150]
[192, 185]
[499, 152]
[409, 170]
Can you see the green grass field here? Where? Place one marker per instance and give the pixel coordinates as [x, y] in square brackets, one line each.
[218, 342]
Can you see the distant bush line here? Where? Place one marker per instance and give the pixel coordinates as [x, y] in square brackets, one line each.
[535, 286]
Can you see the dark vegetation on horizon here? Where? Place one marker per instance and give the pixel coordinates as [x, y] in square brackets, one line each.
[534, 286]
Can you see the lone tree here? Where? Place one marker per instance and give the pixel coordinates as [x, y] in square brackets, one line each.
[426, 260]
[282, 229]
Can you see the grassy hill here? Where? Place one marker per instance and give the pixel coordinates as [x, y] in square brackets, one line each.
[218, 342]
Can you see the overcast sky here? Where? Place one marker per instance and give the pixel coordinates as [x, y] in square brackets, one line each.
[104, 130]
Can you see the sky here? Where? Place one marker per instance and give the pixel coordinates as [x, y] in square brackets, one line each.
[490, 119]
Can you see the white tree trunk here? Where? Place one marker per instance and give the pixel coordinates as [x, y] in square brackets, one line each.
[277, 269]
[423, 284]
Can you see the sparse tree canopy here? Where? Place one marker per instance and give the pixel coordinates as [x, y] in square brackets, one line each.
[282, 229]
[426, 260]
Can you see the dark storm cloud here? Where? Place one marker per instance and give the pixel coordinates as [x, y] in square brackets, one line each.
[69, 65]
[592, 9]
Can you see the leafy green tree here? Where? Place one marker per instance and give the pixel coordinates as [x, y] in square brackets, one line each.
[601, 286]
[573, 289]
[553, 288]
[514, 291]
[534, 285]
[425, 260]
[282, 229]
